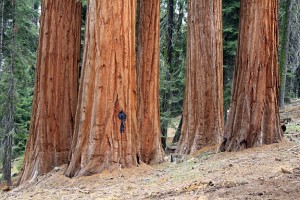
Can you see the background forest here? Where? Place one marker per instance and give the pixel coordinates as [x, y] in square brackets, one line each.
[19, 25]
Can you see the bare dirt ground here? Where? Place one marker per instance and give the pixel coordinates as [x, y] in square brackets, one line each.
[268, 172]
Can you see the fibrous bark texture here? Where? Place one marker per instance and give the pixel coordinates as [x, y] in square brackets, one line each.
[55, 94]
[148, 82]
[108, 86]
[253, 118]
[203, 104]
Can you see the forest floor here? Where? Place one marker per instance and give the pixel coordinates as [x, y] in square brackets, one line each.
[268, 172]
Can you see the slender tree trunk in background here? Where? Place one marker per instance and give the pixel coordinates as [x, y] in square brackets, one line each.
[1, 28]
[36, 6]
[298, 89]
[148, 82]
[178, 63]
[297, 83]
[284, 52]
[178, 33]
[253, 118]
[170, 50]
[108, 86]
[55, 95]
[178, 132]
[164, 124]
[9, 118]
[170, 31]
[8, 142]
[9, 122]
[203, 123]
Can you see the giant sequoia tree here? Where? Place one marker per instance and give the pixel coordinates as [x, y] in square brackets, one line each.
[108, 86]
[253, 119]
[203, 104]
[148, 82]
[55, 94]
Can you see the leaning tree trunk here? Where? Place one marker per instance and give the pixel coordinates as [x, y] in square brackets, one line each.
[108, 86]
[148, 82]
[178, 132]
[55, 95]
[203, 104]
[253, 118]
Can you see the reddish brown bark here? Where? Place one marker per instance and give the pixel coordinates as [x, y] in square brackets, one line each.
[254, 117]
[108, 85]
[203, 104]
[55, 94]
[148, 82]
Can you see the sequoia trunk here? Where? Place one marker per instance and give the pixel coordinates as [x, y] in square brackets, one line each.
[203, 104]
[148, 82]
[108, 86]
[253, 118]
[55, 94]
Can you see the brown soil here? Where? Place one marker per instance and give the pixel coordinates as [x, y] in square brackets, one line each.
[268, 172]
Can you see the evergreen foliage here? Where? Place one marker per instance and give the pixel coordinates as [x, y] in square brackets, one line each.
[172, 75]
[25, 29]
[231, 9]
[290, 54]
